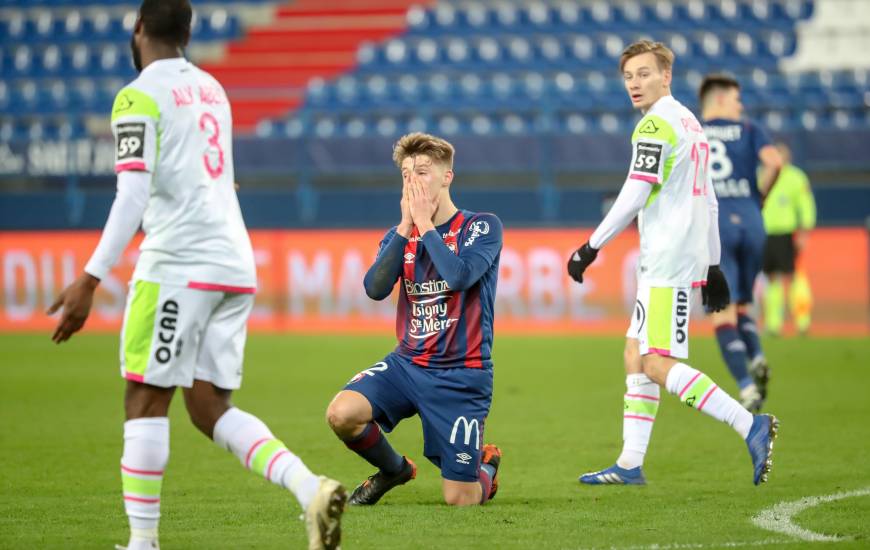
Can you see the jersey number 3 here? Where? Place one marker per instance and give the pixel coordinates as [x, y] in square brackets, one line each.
[209, 124]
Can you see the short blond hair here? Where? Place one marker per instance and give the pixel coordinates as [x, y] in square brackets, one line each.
[418, 143]
[664, 55]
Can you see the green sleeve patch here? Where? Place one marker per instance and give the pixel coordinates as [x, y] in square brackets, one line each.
[131, 101]
[655, 127]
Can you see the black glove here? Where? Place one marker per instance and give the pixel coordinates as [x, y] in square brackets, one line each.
[715, 294]
[580, 260]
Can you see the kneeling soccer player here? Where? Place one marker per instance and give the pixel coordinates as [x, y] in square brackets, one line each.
[446, 261]
[669, 189]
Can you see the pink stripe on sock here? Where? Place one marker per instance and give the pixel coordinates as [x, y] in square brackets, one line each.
[692, 381]
[143, 500]
[660, 351]
[640, 396]
[272, 462]
[254, 448]
[706, 397]
[636, 417]
[134, 377]
[141, 472]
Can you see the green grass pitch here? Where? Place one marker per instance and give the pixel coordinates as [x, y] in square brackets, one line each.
[556, 414]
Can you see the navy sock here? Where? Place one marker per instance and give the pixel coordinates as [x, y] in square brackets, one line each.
[734, 353]
[374, 447]
[749, 334]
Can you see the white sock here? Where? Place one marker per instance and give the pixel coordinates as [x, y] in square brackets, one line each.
[697, 390]
[247, 437]
[641, 403]
[146, 452]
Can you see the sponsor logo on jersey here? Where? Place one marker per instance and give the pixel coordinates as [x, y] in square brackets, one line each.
[647, 157]
[649, 127]
[478, 228]
[682, 316]
[430, 317]
[409, 258]
[131, 141]
[123, 103]
[413, 288]
[166, 331]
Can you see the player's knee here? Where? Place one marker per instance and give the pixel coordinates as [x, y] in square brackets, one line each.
[631, 359]
[656, 367]
[344, 416]
[461, 497]
[204, 416]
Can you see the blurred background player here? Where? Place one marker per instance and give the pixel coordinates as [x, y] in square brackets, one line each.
[737, 147]
[446, 261]
[193, 287]
[668, 188]
[789, 215]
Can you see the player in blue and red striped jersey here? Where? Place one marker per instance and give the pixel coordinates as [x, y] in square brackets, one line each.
[446, 262]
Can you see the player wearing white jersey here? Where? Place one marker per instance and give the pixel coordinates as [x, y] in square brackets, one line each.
[193, 286]
[669, 190]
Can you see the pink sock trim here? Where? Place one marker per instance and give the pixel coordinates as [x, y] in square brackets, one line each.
[254, 448]
[141, 472]
[636, 417]
[687, 386]
[641, 396]
[272, 462]
[143, 500]
[706, 397]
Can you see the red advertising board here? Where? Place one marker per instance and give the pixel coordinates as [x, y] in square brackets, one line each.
[312, 281]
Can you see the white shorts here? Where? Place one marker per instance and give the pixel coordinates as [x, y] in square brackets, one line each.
[661, 320]
[174, 334]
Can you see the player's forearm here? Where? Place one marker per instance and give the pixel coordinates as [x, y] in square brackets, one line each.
[129, 205]
[382, 275]
[630, 201]
[459, 273]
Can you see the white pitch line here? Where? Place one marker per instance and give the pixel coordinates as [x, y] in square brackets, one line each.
[701, 546]
[778, 518]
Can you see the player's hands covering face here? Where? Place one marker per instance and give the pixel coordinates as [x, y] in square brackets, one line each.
[422, 204]
[76, 300]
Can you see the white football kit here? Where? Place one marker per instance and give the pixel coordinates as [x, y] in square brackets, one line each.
[678, 223]
[192, 288]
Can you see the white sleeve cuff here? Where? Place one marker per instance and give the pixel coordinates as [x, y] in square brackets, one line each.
[131, 198]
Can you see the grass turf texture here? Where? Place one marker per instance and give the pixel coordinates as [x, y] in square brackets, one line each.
[556, 414]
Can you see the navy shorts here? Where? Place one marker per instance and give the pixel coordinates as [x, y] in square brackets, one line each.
[743, 238]
[452, 403]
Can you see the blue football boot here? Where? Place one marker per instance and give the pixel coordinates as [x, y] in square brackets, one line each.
[760, 443]
[614, 476]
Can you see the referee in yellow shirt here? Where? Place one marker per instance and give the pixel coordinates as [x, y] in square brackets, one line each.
[789, 215]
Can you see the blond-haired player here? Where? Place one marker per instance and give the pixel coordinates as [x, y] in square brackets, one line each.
[669, 190]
